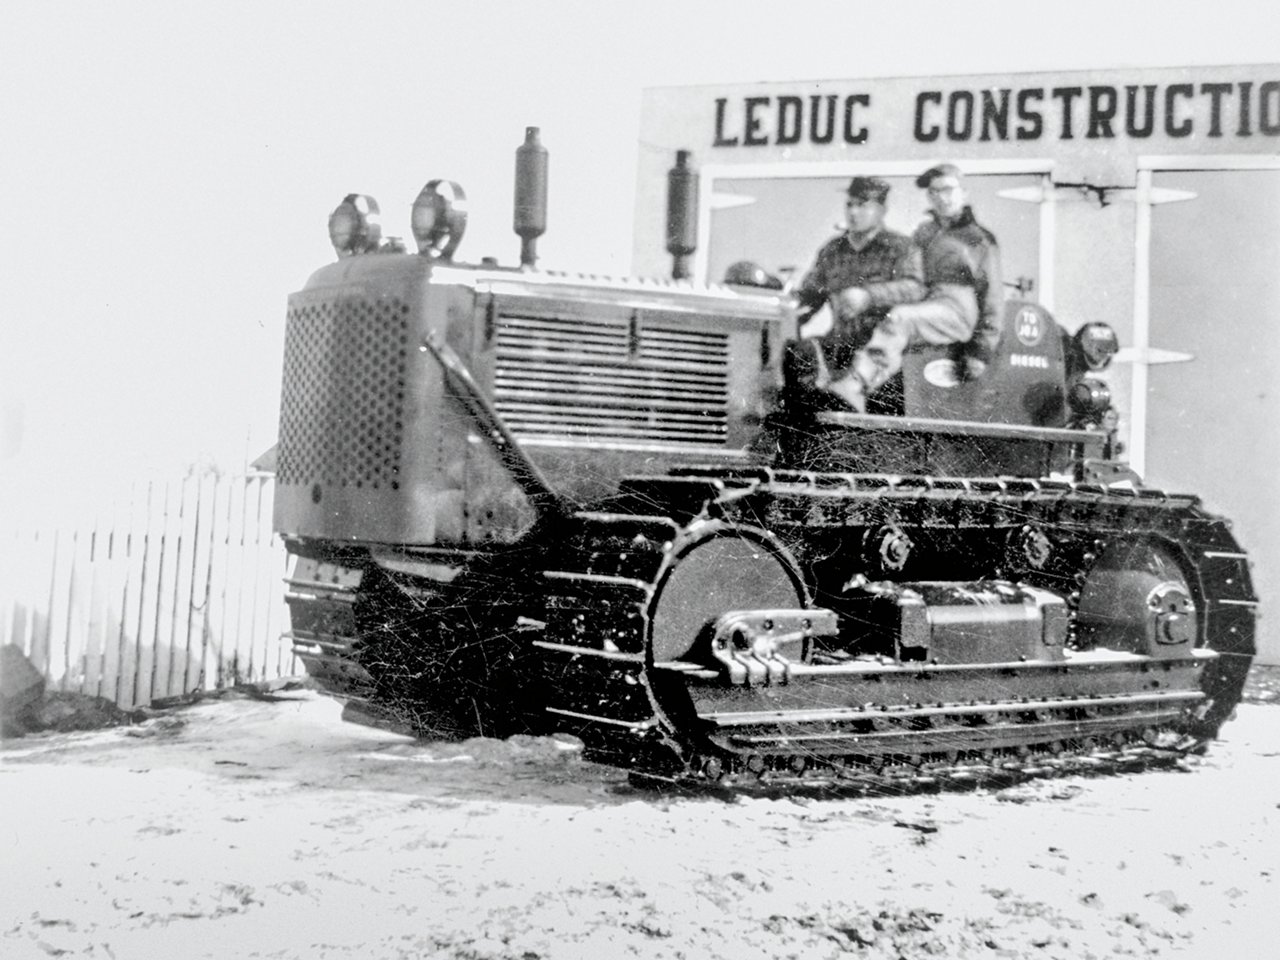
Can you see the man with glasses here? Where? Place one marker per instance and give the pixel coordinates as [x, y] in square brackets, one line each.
[860, 274]
[963, 305]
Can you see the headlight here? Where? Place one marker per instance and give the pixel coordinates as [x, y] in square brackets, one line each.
[354, 227]
[439, 218]
[747, 273]
[1090, 400]
[1097, 344]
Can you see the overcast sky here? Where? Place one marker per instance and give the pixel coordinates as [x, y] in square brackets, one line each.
[168, 174]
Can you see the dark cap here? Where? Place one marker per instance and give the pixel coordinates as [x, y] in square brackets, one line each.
[868, 188]
[933, 173]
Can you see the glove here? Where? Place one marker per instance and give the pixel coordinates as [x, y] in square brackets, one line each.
[848, 304]
[971, 368]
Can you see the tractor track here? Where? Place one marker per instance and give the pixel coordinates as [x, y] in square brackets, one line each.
[587, 621]
[984, 523]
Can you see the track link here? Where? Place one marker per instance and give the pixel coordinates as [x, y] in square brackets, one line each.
[863, 776]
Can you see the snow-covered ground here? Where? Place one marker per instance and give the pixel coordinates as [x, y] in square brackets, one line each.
[246, 828]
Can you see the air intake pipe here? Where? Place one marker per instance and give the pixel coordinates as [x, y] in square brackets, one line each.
[530, 220]
[682, 214]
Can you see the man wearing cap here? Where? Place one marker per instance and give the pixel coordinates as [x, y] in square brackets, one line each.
[965, 294]
[860, 274]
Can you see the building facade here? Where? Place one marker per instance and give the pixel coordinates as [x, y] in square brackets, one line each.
[1148, 199]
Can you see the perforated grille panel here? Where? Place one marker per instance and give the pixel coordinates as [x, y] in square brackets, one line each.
[611, 380]
[341, 410]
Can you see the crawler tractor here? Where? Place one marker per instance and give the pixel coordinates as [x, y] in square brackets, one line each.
[523, 500]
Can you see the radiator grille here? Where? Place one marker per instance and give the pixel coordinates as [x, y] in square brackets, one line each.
[341, 409]
[611, 380]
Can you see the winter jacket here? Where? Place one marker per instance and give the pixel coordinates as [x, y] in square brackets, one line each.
[887, 266]
[962, 265]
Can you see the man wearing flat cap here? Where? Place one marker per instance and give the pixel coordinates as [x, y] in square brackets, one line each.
[964, 300]
[859, 274]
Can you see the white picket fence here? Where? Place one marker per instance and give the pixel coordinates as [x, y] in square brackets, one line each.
[174, 588]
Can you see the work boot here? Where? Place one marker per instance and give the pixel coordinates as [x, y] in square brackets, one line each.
[805, 377]
[850, 391]
[804, 368]
[872, 367]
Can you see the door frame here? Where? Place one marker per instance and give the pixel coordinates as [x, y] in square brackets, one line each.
[1145, 198]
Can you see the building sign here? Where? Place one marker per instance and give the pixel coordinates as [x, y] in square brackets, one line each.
[1210, 109]
[1094, 121]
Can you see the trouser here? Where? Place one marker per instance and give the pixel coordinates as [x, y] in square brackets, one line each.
[934, 322]
[847, 336]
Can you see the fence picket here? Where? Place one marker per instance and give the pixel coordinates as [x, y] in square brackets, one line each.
[218, 632]
[134, 566]
[210, 640]
[197, 598]
[42, 627]
[172, 588]
[235, 584]
[62, 619]
[114, 569]
[253, 531]
[122, 549]
[95, 614]
[188, 595]
[170, 580]
[147, 591]
[163, 567]
[72, 639]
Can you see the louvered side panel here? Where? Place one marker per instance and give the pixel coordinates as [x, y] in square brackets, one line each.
[614, 381]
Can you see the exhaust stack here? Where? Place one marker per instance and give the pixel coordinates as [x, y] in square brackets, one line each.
[682, 214]
[530, 221]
